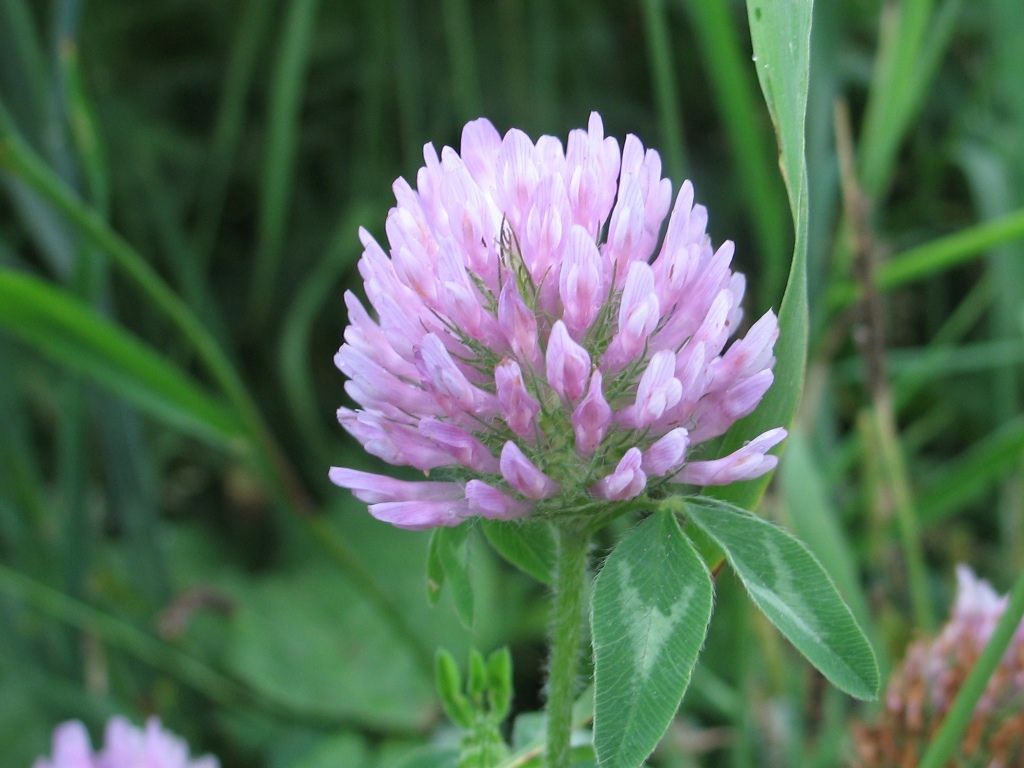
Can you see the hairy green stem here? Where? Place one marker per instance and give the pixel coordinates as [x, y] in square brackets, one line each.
[566, 636]
[944, 745]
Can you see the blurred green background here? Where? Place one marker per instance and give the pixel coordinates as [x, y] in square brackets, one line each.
[181, 184]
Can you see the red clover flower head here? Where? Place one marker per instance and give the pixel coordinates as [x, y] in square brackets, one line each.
[922, 690]
[125, 747]
[535, 342]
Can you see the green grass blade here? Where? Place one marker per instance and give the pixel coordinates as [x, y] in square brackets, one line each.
[294, 365]
[22, 163]
[913, 42]
[992, 183]
[227, 128]
[286, 94]
[116, 428]
[458, 29]
[79, 142]
[165, 217]
[271, 462]
[950, 251]
[24, 76]
[937, 256]
[75, 544]
[659, 55]
[409, 67]
[131, 487]
[84, 128]
[21, 478]
[973, 473]
[18, 159]
[781, 33]
[75, 336]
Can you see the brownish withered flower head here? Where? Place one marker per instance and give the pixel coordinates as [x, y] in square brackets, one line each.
[923, 689]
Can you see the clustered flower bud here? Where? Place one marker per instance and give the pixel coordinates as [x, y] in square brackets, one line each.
[535, 342]
[923, 689]
[125, 746]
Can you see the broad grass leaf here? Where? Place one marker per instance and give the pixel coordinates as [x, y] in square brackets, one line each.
[781, 36]
[651, 608]
[796, 594]
[72, 334]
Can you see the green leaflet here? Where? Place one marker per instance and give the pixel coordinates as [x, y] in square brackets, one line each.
[651, 608]
[55, 324]
[448, 562]
[796, 594]
[530, 546]
[815, 521]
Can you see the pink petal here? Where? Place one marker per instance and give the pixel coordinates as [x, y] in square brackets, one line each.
[657, 391]
[517, 175]
[523, 475]
[393, 442]
[592, 171]
[421, 515]
[626, 482]
[748, 462]
[365, 336]
[721, 409]
[581, 285]
[667, 454]
[488, 501]
[448, 383]
[591, 418]
[751, 354]
[519, 325]
[639, 314]
[547, 226]
[462, 446]
[568, 364]
[480, 146]
[374, 489]
[376, 388]
[519, 407]
[70, 748]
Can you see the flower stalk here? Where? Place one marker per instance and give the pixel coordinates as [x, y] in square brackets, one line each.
[566, 641]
